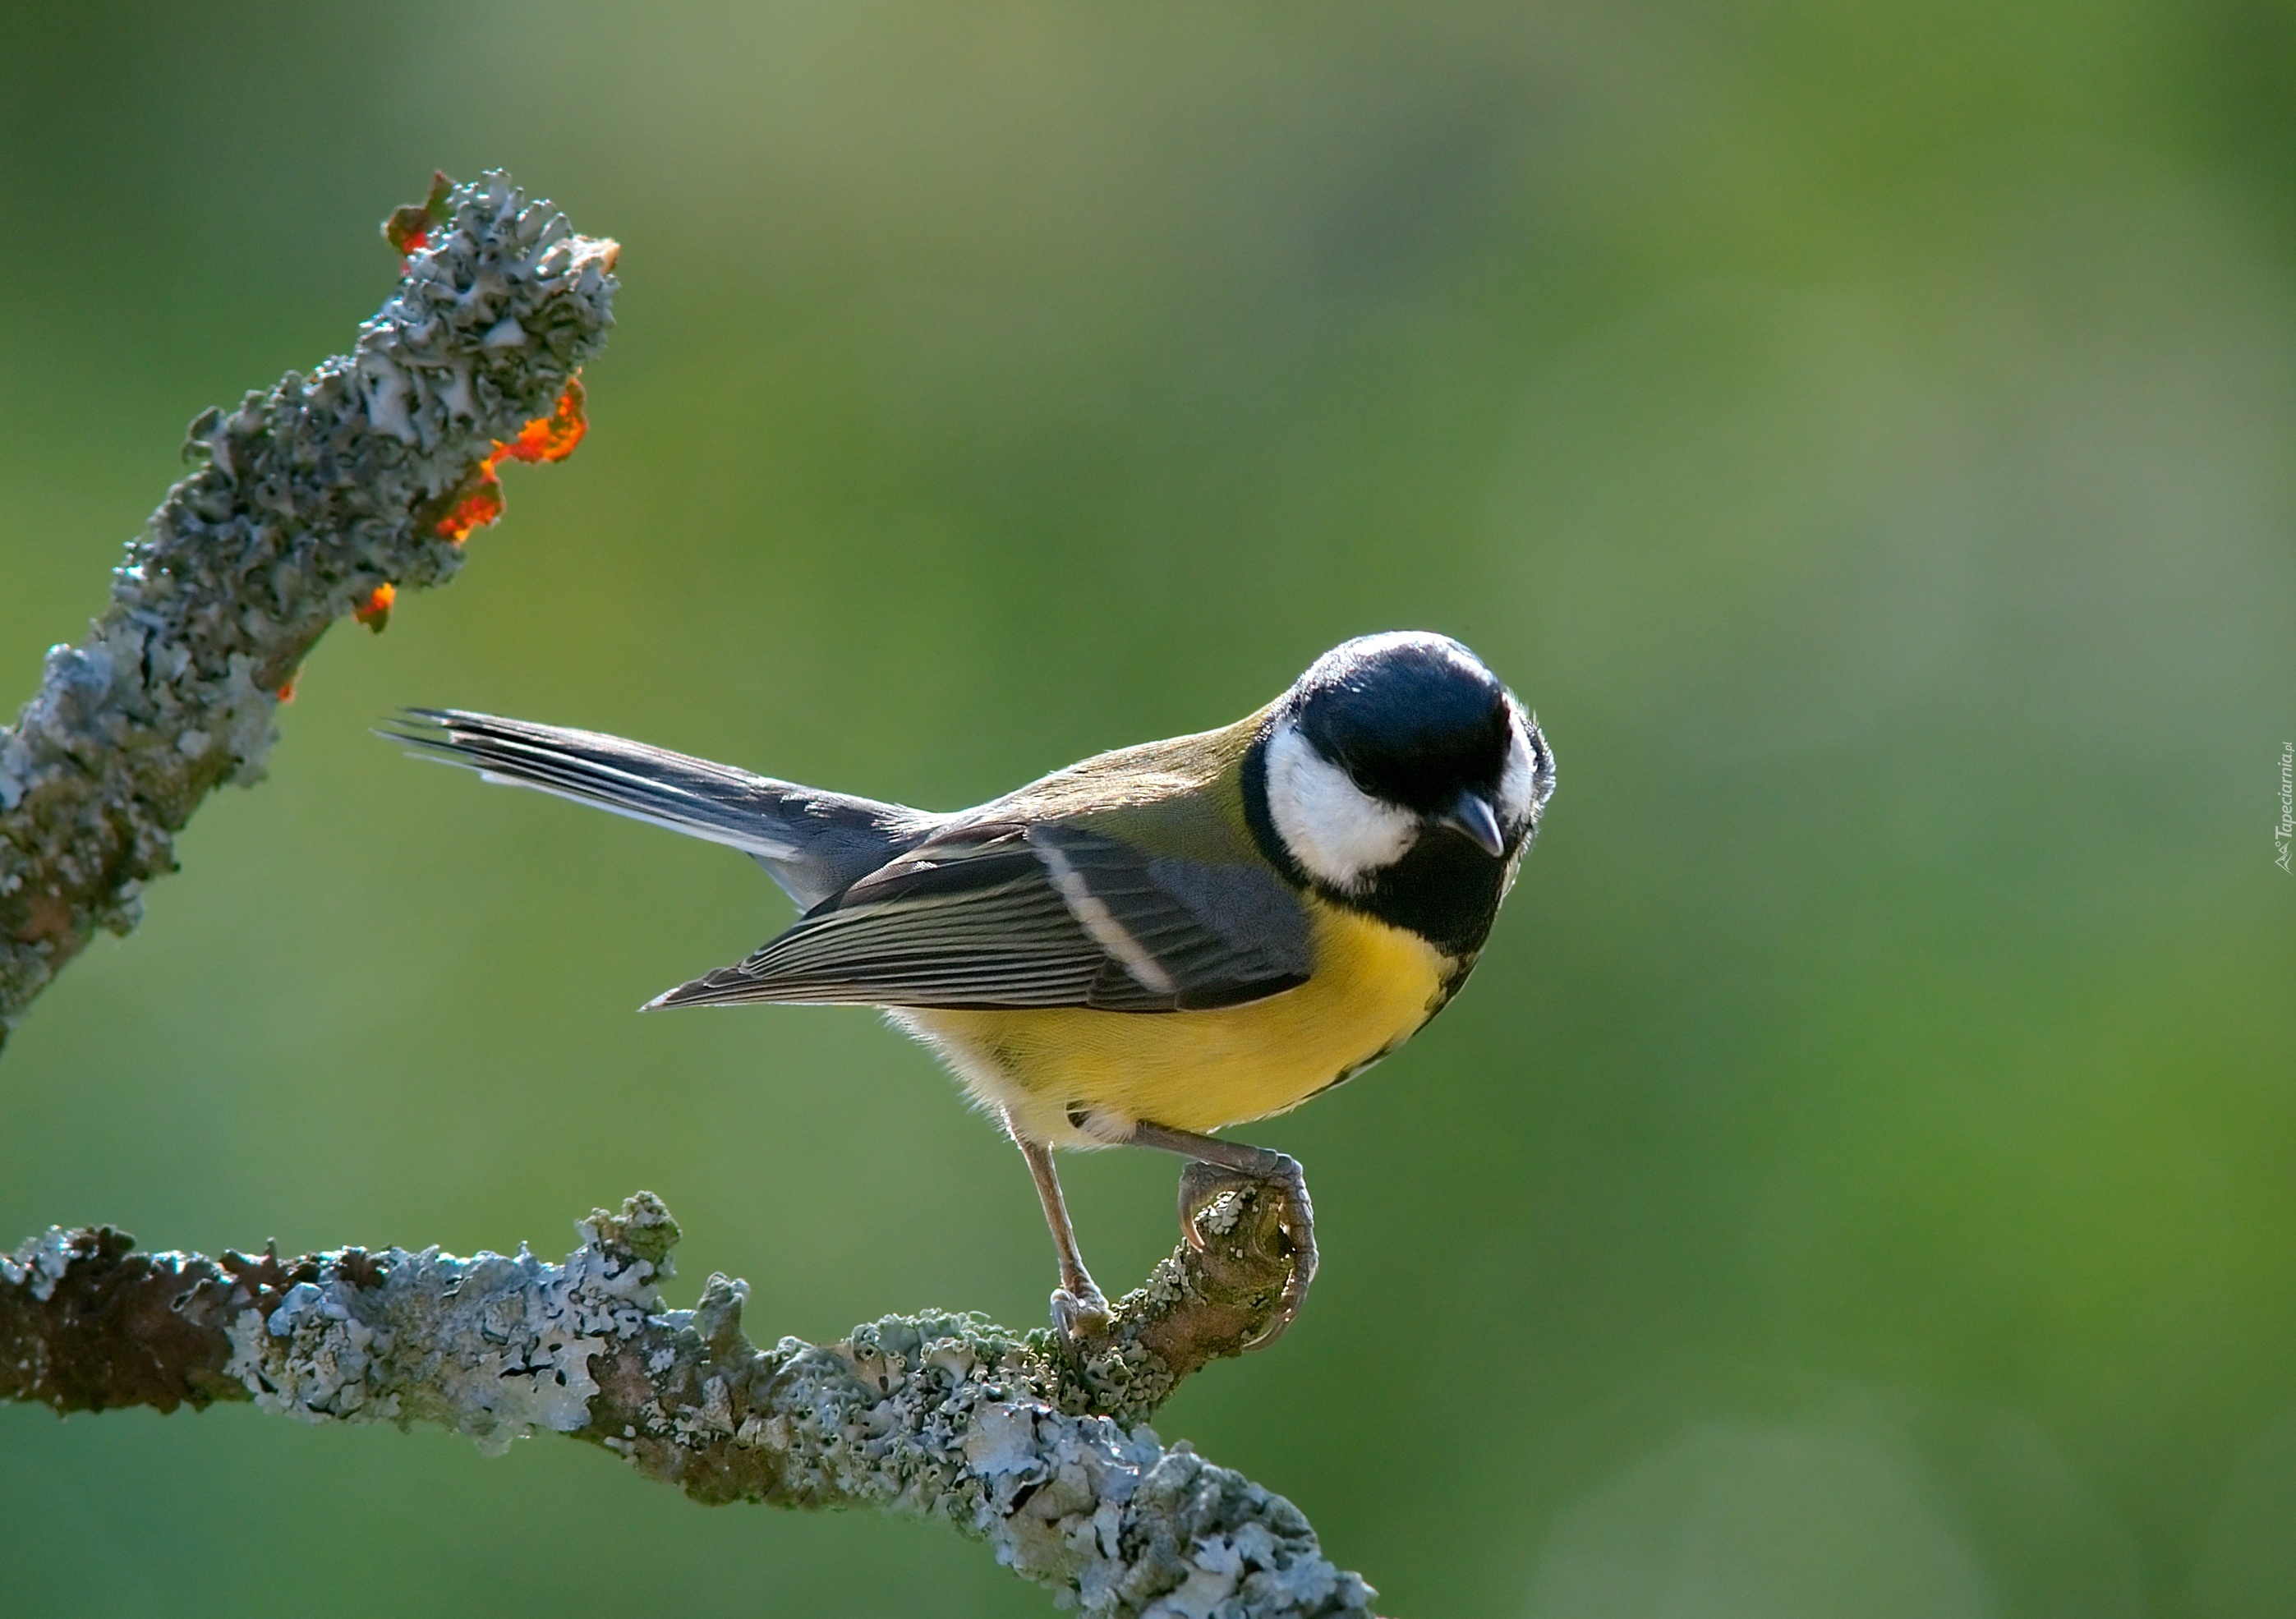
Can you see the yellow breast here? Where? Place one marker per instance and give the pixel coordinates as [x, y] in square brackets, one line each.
[1374, 985]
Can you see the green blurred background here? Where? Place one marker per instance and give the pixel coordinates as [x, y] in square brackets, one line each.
[1861, 1178]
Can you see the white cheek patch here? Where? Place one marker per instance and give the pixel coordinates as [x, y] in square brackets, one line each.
[1518, 794]
[1338, 833]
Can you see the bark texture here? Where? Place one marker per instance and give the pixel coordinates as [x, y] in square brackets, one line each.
[1015, 1438]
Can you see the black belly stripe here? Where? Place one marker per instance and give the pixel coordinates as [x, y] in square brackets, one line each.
[1445, 890]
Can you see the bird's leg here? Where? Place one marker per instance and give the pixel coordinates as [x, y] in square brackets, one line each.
[1215, 1166]
[1079, 1309]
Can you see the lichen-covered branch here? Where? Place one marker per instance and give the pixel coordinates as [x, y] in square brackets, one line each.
[319, 498]
[1006, 1436]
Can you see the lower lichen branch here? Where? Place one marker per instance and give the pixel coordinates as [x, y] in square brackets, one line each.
[1018, 1439]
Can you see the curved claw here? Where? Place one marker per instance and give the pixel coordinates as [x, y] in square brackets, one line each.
[1201, 1185]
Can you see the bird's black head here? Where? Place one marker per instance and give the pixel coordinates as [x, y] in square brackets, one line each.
[1414, 719]
[1401, 776]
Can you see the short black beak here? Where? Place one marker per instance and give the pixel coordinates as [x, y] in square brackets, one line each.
[1472, 818]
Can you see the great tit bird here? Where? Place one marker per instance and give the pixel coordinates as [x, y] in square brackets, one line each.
[1144, 947]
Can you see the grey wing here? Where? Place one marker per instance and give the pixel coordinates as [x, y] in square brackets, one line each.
[815, 844]
[1041, 916]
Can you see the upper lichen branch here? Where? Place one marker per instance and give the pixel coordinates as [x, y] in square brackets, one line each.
[313, 500]
[946, 1415]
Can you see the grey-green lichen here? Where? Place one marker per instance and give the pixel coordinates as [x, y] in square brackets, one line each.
[309, 496]
[938, 1415]
[38, 1264]
[494, 1347]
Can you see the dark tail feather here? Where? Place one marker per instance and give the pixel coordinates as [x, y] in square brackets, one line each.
[814, 843]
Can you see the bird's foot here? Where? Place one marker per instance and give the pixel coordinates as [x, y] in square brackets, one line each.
[1207, 1212]
[1081, 1312]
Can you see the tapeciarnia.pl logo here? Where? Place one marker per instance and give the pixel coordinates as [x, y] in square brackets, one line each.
[2286, 830]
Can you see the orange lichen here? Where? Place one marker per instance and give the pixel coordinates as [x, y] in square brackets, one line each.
[287, 691]
[375, 612]
[477, 500]
[551, 438]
